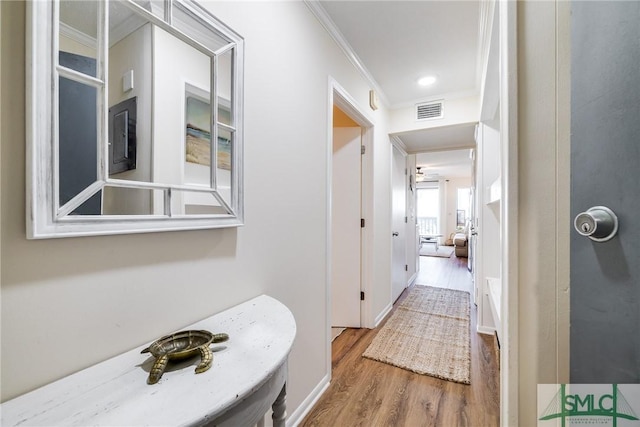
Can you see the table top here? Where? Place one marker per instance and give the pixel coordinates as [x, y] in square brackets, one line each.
[115, 392]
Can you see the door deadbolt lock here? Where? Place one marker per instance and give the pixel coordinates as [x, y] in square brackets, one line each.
[598, 223]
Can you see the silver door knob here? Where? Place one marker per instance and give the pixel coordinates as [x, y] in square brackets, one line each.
[598, 223]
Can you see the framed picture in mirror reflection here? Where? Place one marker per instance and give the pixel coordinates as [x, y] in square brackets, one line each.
[198, 133]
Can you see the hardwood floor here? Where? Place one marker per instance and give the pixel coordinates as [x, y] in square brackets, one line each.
[449, 273]
[364, 392]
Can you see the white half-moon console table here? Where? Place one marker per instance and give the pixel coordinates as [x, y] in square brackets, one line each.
[247, 378]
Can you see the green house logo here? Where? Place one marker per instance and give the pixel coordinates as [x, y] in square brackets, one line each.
[610, 404]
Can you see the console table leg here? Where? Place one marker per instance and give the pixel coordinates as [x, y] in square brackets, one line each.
[280, 408]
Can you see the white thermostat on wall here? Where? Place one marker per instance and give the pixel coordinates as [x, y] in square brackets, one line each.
[127, 81]
[374, 102]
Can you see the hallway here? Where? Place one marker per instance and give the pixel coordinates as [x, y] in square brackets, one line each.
[448, 273]
[364, 392]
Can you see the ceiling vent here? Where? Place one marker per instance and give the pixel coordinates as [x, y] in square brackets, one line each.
[429, 110]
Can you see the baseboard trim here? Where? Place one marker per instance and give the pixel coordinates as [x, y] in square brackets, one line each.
[305, 407]
[413, 279]
[485, 330]
[383, 314]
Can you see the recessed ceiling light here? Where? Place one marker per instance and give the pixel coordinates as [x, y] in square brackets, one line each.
[426, 81]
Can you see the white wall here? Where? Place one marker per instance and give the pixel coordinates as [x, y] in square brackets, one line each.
[113, 293]
[490, 227]
[488, 240]
[456, 111]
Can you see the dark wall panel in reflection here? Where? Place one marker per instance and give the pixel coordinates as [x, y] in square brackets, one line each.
[78, 134]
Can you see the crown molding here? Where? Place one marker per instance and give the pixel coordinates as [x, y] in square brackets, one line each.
[325, 20]
[77, 35]
[399, 144]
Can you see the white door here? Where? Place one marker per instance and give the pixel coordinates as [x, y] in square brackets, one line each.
[345, 224]
[399, 206]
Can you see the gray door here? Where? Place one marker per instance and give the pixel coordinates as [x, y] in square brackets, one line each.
[605, 171]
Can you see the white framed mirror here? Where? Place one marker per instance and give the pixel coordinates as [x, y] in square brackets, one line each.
[134, 118]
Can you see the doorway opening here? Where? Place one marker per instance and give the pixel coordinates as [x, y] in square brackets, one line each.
[350, 140]
[346, 215]
[428, 209]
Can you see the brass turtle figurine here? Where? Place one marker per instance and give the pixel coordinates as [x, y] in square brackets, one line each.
[182, 345]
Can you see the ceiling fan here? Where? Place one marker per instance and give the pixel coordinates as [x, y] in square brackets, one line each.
[422, 176]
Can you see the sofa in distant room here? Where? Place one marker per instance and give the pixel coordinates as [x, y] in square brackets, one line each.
[461, 244]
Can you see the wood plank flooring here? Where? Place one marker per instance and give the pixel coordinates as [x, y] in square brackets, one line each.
[367, 393]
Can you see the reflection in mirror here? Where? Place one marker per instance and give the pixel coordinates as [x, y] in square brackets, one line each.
[130, 201]
[224, 169]
[225, 76]
[92, 206]
[129, 94]
[147, 117]
[113, 200]
[123, 136]
[226, 128]
[78, 31]
[180, 73]
[195, 203]
[197, 152]
[77, 130]
[195, 28]
[154, 6]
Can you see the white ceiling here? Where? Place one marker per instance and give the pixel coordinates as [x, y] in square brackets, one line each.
[445, 164]
[398, 42]
[401, 41]
[439, 138]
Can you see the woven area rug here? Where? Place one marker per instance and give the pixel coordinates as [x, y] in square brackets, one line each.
[429, 249]
[428, 334]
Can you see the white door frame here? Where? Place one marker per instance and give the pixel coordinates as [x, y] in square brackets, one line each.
[509, 378]
[339, 97]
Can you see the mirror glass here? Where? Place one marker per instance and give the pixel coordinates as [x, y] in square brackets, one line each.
[145, 102]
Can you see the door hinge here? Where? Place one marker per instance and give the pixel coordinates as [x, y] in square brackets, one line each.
[406, 171]
[361, 296]
[406, 219]
[406, 267]
[361, 222]
[363, 149]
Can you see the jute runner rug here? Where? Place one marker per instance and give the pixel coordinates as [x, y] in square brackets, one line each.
[428, 334]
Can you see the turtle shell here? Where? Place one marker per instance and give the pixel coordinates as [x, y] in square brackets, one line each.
[183, 344]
